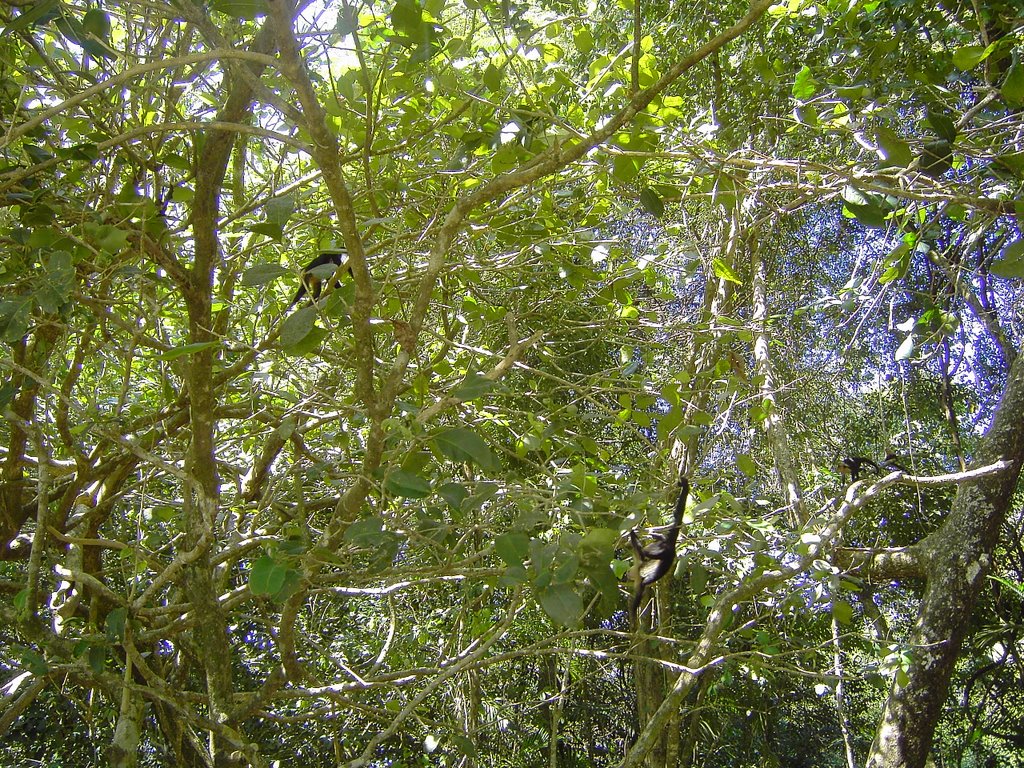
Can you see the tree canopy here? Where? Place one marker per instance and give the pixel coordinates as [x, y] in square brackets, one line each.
[342, 345]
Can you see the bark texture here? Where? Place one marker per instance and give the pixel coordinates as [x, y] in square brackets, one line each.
[956, 560]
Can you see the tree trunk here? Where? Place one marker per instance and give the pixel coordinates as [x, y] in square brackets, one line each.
[957, 558]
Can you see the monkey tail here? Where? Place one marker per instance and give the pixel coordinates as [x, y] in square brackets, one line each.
[684, 491]
[634, 607]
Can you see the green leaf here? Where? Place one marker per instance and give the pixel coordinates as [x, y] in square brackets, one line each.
[297, 326]
[36, 664]
[368, 532]
[280, 209]
[936, 158]
[805, 86]
[473, 386]
[562, 604]
[454, 493]
[58, 281]
[492, 78]
[969, 56]
[289, 585]
[348, 20]
[1013, 86]
[597, 547]
[512, 547]
[262, 274]
[464, 445]
[240, 9]
[865, 208]
[1010, 263]
[97, 23]
[268, 228]
[724, 272]
[746, 465]
[942, 124]
[188, 349]
[36, 13]
[842, 611]
[651, 202]
[583, 40]
[407, 18]
[97, 657]
[566, 570]
[114, 625]
[266, 576]
[894, 151]
[407, 484]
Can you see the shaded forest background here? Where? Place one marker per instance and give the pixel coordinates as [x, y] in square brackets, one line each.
[587, 248]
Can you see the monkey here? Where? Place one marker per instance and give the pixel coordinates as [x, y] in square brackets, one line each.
[318, 271]
[656, 559]
[852, 465]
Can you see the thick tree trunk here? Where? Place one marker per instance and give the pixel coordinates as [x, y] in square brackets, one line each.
[957, 558]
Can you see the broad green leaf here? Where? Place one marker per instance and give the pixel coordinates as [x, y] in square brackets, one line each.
[583, 40]
[865, 208]
[96, 22]
[512, 547]
[297, 326]
[562, 604]
[36, 663]
[598, 546]
[1013, 86]
[266, 576]
[262, 274]
[33, 14]
[407, 17]
[465, 445]
[348, 20]
[842, 611]
[368, 532]
[492, 78]
[746, 465]
[651, 202]
[805, 86]
[114, 624]
[270, 229]
[566, 570]
[894, 151]
[1010, 263]
[280, 209]
[58, 281]
[454, 493]
[240, 9]
[970, 56]
[407, 484]
[473, 386]
[936, 158]
[942, 124]
[514, 575]
[97, 657]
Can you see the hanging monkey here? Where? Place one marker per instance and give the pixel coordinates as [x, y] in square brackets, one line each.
[656, 559]
[318, 271]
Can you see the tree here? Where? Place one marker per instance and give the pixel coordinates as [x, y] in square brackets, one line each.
[582, 250]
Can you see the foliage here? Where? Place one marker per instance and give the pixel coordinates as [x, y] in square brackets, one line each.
[385, 527]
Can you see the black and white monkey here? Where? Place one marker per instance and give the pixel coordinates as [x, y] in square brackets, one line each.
[652, 562]
[319, 271]
[854, 465]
